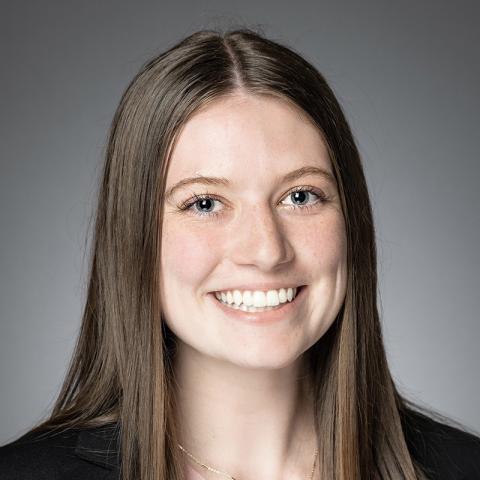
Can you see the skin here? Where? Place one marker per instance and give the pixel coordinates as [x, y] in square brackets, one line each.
[244, 408]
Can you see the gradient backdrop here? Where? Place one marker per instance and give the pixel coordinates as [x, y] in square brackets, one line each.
[407, 74]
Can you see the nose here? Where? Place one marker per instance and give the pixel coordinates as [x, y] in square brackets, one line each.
[259, 239]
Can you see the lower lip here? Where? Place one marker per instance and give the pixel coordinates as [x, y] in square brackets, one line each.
[266, 317]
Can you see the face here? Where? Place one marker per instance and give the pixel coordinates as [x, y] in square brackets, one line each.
[257, 229]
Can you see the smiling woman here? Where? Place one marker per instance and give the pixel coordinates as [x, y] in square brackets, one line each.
[231, 327]
[282, 227]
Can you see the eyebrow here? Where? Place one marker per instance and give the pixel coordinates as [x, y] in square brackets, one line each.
[293, 175]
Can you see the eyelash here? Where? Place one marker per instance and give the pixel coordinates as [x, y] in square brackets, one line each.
[188, 204]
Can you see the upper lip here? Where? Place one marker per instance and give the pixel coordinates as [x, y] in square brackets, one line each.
[259, 286]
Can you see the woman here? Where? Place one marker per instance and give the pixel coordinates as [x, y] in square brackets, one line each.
[231, 326]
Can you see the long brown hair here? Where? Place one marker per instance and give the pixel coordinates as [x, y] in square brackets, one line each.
[121, 370]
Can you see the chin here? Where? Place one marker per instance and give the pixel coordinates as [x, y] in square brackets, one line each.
[263, 359]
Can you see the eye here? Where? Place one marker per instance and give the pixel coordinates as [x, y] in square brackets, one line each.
[302, 195]
[203, 205]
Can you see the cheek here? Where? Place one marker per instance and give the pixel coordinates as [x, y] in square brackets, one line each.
[323, 243]
[188, 255]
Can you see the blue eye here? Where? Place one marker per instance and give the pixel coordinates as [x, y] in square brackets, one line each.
[202, 205]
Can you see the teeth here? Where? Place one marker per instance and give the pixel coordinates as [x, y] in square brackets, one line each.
[272, 298]
[257, 298]
[237, 297]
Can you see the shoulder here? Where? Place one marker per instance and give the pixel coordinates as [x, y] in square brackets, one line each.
[59, 455]
[445, 451]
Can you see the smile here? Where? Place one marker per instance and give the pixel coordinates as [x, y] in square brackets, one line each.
[253, 312]
[257, 300]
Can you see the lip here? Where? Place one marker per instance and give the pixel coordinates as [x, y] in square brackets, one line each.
[263, 286]
[267, 317]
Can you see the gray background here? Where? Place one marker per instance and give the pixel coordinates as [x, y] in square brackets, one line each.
[407, 76]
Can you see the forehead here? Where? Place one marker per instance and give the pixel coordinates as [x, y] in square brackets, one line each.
[239, 135]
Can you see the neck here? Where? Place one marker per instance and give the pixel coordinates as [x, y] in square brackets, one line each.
[249, 423]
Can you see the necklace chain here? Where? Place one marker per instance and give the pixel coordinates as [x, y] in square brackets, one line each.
[226, 475]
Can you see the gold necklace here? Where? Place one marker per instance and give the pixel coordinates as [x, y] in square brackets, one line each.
[196, 460]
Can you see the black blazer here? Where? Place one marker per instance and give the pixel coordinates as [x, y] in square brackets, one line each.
[447, 453]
